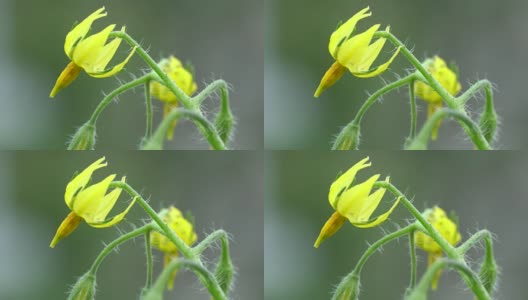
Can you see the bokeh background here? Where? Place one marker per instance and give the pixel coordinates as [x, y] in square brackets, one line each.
[223, 40]
[486, 191]
[484, 37]
[221, 191]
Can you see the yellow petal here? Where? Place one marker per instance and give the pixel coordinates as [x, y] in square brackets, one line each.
[107, 204]
[372, 203]
[380, 69]
[372, 53]
[88, 50]
[344, 181]
[345, 30]
[87, 202]
[352, 200]
[116, 219]
[351, 52]
[80, 30]
[115, 69]
[380, 219]
[107, 53]
[80, 181]
[167, 108]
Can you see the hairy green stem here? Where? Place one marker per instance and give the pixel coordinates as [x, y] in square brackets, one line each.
[182, 97]
[473, 281]
[374, 97]
[412, 104]
[148, 254]
[463, 269]
[478, 139]
[148, 109]
[186, 101]
[210, 239]
[412, 253]
[156, 141]
[185, 250]
[475, 88]
[474, 239]
[121, 89]
[120, 240]
[384, 240]
[450, 100]
[209, 281]
[208, 90]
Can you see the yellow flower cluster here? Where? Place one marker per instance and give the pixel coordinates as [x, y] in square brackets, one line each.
[183, 229]
[446, 77]
[182, 77]
[447, 229]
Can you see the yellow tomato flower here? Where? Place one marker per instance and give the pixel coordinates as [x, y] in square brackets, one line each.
[89, 53]
[89, 202]
[354, 202]
[354, 52]
[182, 77]
[447, 228]
[183, 229]
[446, 77]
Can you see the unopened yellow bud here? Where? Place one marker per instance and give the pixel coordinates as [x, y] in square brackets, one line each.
[65, 78]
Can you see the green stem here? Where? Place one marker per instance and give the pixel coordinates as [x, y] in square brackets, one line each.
[148, 108]
[182, 97]
[412, 104]
[384, 240]
[473, 240]
[450, 100]
[209, 281]
[473, 281]
[185, 250]
[349, 136]
[148, 252]
[120, 240]
[430, 230]
[210, 239]
[186, 101]
[472, 90]
[121, 89]
[412, 252]
[462, 268]
[474, 132]
[156, 141]
[208, 90]
[374, 97]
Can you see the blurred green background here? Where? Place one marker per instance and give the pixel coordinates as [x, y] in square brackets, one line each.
[486, 191]
[485, 38]
[223, 40]
[221, 191]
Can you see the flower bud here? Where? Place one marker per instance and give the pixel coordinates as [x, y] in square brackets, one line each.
[84, 288]
[224, 121]
[84, 138]
[488, 270]
[348, 288]
[348, 138]
[224, 269]
[488, 122]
